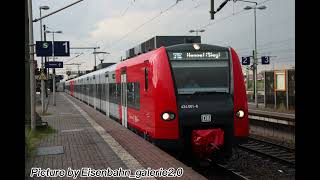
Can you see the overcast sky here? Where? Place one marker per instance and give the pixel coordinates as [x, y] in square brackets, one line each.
[117, 25]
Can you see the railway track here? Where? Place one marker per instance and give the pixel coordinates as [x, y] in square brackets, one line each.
[244, 165]
[261, 148]
[257, 159]
[233, 173]
[274, 151]
[212, 171]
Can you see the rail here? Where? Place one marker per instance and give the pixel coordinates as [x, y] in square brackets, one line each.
[283, 154]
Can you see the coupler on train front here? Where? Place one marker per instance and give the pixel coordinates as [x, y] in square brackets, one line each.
[211, 144]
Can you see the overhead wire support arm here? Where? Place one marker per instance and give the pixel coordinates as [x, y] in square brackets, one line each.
[221, 6]
[212, 12]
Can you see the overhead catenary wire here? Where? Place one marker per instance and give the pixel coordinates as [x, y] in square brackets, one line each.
[233, 14]
[272, 44]
[125, 11]
[189, 10]
[143, 24]
[160, 14]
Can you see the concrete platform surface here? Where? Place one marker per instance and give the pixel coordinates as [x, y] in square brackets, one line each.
[91, 140]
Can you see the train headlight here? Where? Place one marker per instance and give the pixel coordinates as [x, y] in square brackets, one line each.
[167, 116]
[240, 113]
[196, 46]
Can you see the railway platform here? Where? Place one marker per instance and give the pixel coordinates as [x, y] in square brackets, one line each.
[89, 145]
[262, 109]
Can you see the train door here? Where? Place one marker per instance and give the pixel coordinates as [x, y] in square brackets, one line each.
[124, 99]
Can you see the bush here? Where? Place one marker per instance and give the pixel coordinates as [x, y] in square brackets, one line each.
[33, 137]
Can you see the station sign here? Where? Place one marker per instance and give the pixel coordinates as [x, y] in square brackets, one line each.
[265, 60]
[54, 64]
[61, 48]
[245, 60]
[43, 48]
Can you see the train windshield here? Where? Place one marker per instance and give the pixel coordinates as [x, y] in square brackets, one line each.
[201, 75]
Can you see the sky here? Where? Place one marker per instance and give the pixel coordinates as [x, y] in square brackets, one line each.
[118, 25]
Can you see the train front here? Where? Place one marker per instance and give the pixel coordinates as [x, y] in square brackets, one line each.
[204, 80]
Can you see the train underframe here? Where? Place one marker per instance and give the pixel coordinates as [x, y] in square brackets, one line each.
[201, 144]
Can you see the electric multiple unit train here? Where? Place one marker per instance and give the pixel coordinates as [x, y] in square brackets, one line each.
[187, 95]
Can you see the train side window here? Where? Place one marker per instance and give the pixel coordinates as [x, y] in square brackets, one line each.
[137, 95]
[118, 93]
[112, 89]
[112, 92]
[146, 79]
[130, 94]
[107, 92]
[133, 95]
[102, 92]
[98, 91]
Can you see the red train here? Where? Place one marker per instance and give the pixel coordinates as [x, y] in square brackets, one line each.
[181, 96]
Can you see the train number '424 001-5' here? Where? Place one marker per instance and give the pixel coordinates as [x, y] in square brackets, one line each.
[189, 106]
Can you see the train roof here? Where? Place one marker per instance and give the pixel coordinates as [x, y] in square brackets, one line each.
[109, 68]
[177, 47]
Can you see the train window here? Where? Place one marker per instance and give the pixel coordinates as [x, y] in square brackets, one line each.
[146, 80]
[106, 90]
[118, 89]
[101, 91]
[137, 95]
[130, 94]
[114, 94]
[114, 89]
[111, 92]
[133, 96]
[97, 90]
[201, 76]
[96, 86]
[92, 89]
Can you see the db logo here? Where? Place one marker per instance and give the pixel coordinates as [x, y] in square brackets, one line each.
[206, 118]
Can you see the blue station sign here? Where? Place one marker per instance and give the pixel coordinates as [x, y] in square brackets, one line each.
[265, 60]
[43, 48]
[61, 48]
[54, 64]
[245, 60]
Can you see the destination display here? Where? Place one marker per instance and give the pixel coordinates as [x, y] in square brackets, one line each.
[198, 55]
